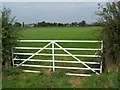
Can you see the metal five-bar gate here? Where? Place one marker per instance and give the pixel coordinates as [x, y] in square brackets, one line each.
[21, 58]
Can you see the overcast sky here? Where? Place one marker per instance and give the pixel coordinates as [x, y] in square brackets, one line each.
[30, 12]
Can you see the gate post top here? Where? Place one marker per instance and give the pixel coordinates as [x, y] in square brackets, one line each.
[52, 41]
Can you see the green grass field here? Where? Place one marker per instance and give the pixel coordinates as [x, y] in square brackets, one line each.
[15, 78]
[61, 33]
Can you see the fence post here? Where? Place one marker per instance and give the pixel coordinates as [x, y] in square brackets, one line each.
[101, 67]
[53, 56]
[102, 47]
[12, 57]
[101, 61]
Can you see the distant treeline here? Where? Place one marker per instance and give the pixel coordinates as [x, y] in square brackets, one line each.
[54, 24]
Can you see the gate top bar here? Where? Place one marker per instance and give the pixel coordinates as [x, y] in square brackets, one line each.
[92, 41]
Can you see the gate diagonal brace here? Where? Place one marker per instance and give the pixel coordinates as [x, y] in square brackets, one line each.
[34, 54]
[76, 58]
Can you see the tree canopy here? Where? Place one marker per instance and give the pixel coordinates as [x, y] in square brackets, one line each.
[109, 16]
[8, 36]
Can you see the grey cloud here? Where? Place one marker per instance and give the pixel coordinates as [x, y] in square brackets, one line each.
[53, 11]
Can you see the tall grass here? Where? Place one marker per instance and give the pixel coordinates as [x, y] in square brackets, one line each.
[47, 79]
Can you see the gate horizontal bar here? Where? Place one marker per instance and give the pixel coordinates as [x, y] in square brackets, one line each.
[89, 41]
[57, 55]
[72, 74]
[56, 61]
[58, 48]
[57, 67]
[31, 71]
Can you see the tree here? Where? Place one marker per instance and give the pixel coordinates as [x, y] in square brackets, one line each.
[82, 23]
[74, 23]
[39, 24]
[60, 24]
[96, 24]
[55, 24]
[109, 16]
[0, 37]
[23, 25]
[17, 24]
[43, 24]
[8, 36]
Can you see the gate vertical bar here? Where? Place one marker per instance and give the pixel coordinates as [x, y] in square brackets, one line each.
[12, 57]
[101, 67]
[101, 53]
[102, 47]
[53, 56]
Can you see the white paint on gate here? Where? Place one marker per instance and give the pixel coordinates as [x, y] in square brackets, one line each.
[53, 43]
